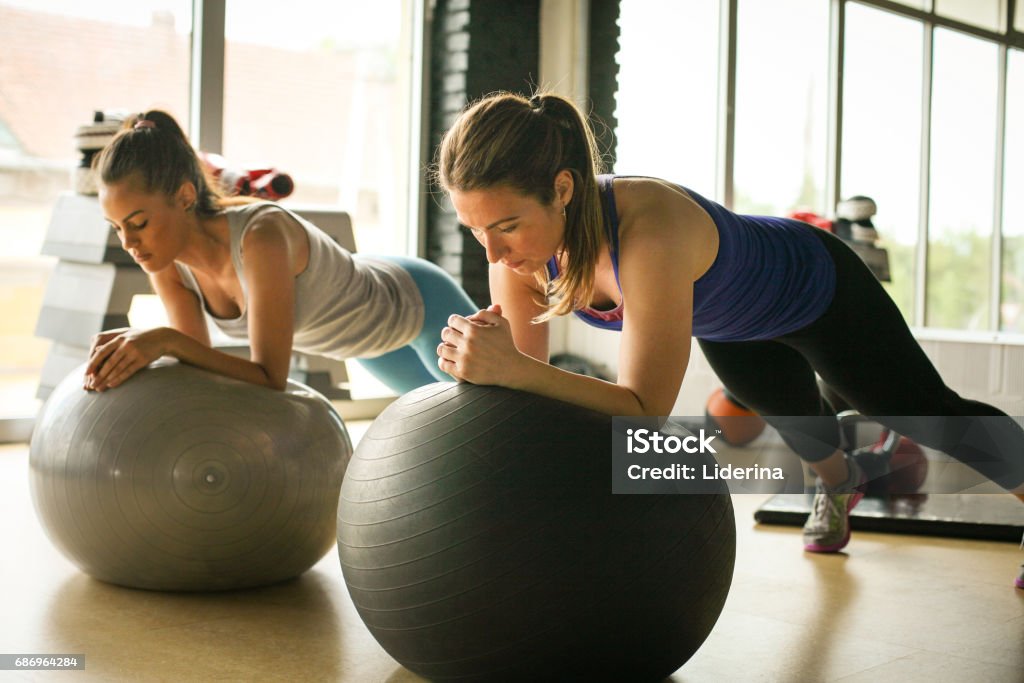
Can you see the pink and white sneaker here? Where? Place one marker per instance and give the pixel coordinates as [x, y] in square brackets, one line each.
[827, 529]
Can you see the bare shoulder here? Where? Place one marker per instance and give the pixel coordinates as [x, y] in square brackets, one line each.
[652, 202]
[275, 230]
[272, 223]
[180, 301]
[510, 288]
[658, 216]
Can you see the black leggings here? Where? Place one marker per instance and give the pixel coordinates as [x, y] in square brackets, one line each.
[862, 348]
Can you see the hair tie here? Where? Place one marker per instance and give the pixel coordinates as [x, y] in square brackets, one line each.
[143, 123]
[536, 102]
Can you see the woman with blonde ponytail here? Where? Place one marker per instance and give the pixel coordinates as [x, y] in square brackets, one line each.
[771, 302]
[259, 272]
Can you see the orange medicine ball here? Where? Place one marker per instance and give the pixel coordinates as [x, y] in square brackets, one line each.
[738, 425]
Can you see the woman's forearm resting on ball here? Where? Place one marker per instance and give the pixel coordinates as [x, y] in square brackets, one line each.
[483, 349]
[590, 392]
[119, 354]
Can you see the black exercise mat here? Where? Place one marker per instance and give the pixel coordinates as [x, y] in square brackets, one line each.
[996, 517]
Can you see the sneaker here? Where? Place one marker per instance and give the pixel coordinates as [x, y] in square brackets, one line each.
[828, 527]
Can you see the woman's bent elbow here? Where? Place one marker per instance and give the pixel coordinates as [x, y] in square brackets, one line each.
[653, 407]
[638, 407]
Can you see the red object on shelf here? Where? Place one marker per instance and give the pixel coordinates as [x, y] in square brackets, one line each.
[814, 219]
[265, 183]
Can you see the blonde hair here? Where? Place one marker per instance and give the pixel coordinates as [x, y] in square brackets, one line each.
[506, 139]
[152, 149]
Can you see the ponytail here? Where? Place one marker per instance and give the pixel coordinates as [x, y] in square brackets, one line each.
[152, 149]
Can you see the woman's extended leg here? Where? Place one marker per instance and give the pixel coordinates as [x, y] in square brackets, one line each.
[415, 364]
[864, 350]
[400, 370]
[777, 382]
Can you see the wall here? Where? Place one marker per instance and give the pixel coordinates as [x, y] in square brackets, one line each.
[985, 371]
[478, 47]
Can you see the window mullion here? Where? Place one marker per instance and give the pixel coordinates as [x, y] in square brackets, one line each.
[924, 195]
[206, 87]
[727, 102]
[833, 168]
[1000, 174]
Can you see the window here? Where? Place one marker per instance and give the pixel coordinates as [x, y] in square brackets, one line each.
[126, 56]
[882, 133]
[322, 92]
[319, 91]
[962, 182]
[668, 89]
[781, 106]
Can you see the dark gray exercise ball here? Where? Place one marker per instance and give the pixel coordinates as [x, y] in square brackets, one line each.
[480, 540]
[184, 480]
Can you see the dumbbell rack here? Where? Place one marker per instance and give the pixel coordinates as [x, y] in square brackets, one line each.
[93, 284]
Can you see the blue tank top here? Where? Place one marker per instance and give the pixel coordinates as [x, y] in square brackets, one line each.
[772, 276]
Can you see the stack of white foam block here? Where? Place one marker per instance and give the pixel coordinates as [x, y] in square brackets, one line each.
[90, 290]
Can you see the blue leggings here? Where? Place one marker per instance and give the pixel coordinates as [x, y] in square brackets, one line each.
[415, 364]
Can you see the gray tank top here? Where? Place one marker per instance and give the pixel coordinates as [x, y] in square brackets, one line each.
[346, 305]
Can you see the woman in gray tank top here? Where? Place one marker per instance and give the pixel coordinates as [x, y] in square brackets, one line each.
[259, 273]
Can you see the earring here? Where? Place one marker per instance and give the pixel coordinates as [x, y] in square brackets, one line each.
[563, 212]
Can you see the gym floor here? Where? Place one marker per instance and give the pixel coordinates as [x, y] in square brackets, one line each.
[891, 608]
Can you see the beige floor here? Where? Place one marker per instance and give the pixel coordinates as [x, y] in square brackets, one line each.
[893, 608]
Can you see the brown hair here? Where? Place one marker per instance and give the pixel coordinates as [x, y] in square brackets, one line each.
[153, 148]
[507, 139]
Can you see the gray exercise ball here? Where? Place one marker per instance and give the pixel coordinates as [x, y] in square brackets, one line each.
[480, 541]
[184, 480]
